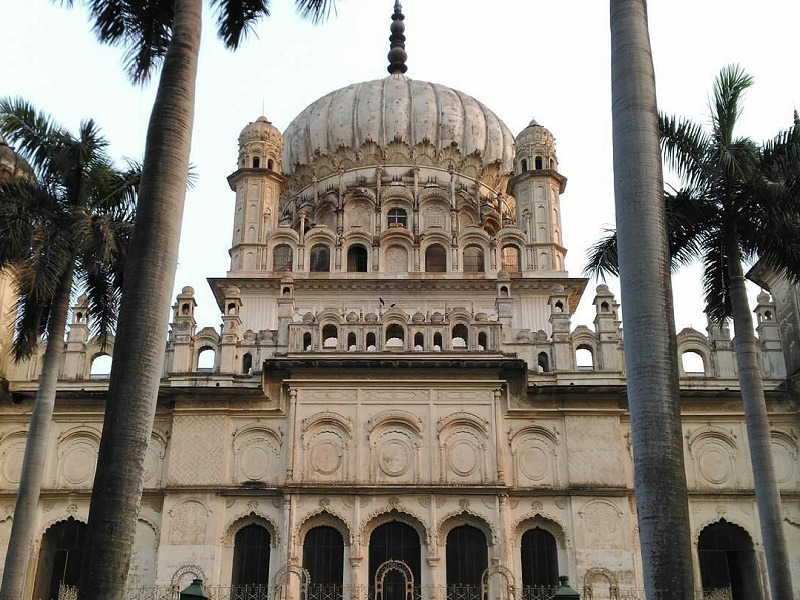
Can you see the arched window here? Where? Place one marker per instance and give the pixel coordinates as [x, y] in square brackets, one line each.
[503, 291]
[251, 556]
[539, 559]
[370, 342]
[395, 337]
[247, 363]
[435, 259]
[256, 162]
[397, 217]
[270, 164]
[320, 258]
[351, 342]
[728, 561]
[460, 337]
[357, 259]
[282, 258]
[510, 258]
[543, 361]
[323, 556]
[394, 541]
[473, 259]
[60, 558]
[538, 163]
[482, 341]
[101, 367]
[419, 341]
[307, 342]
[467, 559]
[524, 164]
[584, 358]
[437, 342]
[330, 337]
[552, 164]
[693, 364]
[206, 359]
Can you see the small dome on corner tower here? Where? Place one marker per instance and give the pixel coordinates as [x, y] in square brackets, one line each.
[535, 149]
[260, 145]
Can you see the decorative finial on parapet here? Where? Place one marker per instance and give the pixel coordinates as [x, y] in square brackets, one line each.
[397, 48]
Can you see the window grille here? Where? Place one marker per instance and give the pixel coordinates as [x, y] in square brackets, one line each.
[320, 258]
[357, 259]
[510, 258]
[251, 556]
[397, 217]
[435, 259]
[473, 259]
[282, 258]
[467, 559]
[323, 557]
[539, 558]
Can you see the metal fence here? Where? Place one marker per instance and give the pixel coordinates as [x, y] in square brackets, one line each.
[363, 592]
[639, 594]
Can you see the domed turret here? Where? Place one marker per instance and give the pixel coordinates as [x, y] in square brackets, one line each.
[260, 146]
[537, 186]
[258, 184]
[535, 149]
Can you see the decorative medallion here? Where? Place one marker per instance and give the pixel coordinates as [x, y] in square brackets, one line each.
[394, 458]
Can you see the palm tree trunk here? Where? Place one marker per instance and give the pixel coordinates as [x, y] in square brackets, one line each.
[144, 314]
[650, 344]
[768, 498]
[30, 483]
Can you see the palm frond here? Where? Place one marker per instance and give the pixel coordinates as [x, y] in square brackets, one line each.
[689, 219]
[99, 283]
[780, 156]
[32, 133]
[144, 29]
[729, 87]
[148, 31]
[236, 19]
[603, 258]
[716, 279]
[30, 323]
[683, 145]
[25, 206]
[317, 11]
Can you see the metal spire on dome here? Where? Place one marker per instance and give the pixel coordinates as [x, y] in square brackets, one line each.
[397, 49]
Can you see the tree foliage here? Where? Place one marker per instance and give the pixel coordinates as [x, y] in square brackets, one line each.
[733, 190]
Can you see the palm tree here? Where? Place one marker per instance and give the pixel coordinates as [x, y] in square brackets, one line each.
[651, 347]
[67, 226]
[165, 31]
[733, 192]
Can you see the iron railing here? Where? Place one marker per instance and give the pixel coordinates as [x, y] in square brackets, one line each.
[363, 592]
[537, 592]
[639, 594]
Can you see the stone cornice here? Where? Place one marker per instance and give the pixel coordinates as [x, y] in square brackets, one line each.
[341, 362]
[423, 282]
[240, 174]
[551, 173]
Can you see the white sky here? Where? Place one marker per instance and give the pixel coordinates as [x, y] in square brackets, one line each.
[522, 58]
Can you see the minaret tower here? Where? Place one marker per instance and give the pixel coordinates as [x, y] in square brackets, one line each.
[258, 184]
[537, 186]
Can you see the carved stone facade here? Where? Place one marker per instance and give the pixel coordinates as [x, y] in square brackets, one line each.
[397, 345]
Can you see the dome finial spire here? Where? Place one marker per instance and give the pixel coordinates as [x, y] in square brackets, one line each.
[796, 117]
[397, 49]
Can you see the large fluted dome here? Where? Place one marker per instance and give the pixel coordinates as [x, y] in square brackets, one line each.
[397, 107]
